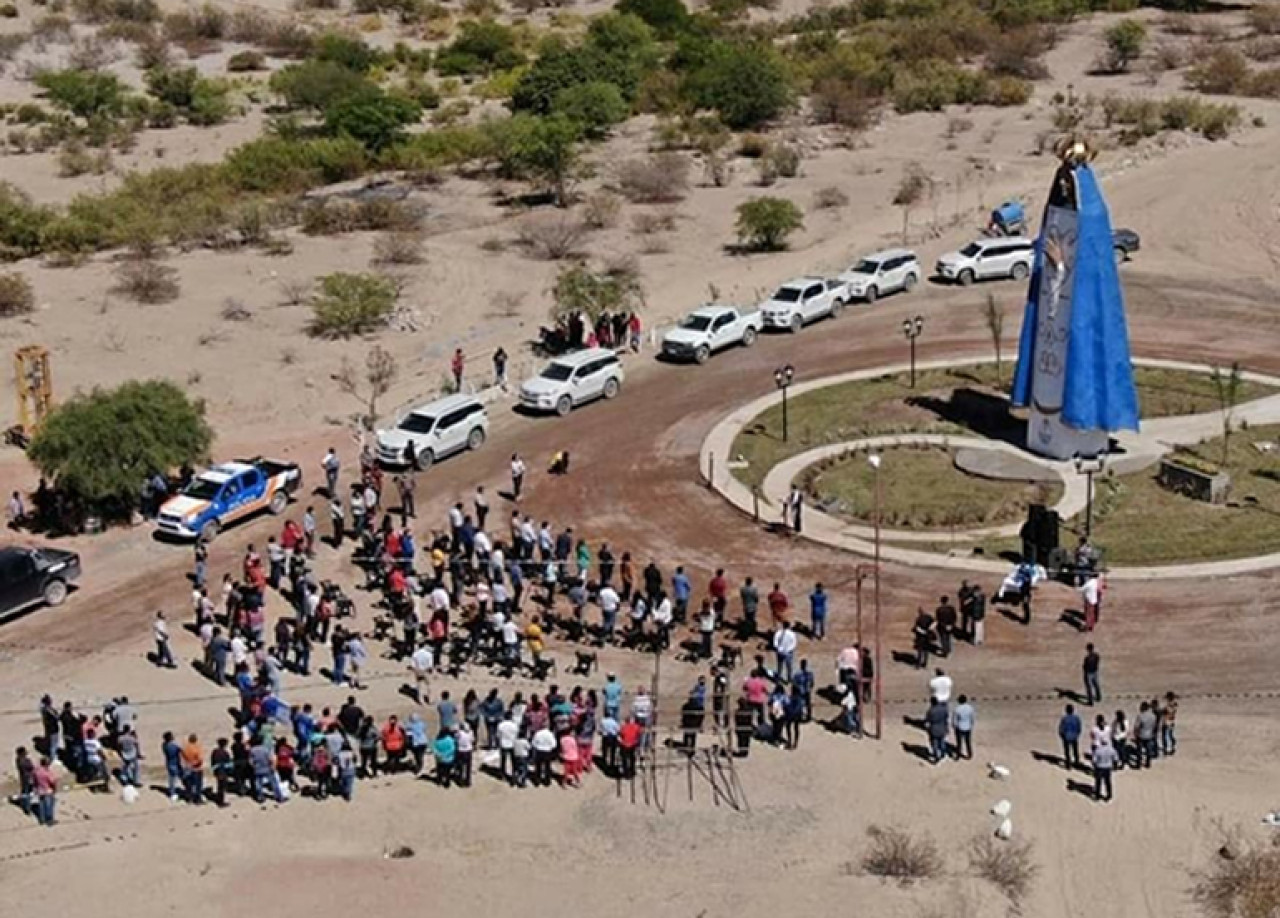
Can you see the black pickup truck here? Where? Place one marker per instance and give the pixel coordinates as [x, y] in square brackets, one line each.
[30, 576]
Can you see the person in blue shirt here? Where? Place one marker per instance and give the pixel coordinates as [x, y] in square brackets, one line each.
[445, 750]
[1069, 729]
[796, 706]
[818, 612]
[681, 590]
[612, 692]
[802, 684]
[304, 727]
[172, 764]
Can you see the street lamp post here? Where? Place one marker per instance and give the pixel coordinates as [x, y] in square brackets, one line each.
[782, 379]
[1089, 466]
[912, 328]
[875, 460]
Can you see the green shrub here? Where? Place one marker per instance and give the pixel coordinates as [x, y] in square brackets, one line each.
[375, 118]
[8, 11]
[201, 101]
[272, 164]
[1124, 42]
[346, 51]
[84, 93]
[16, 295]
[481, 47]
[351, 304]
[100, 446]
[246, 61]
[747, 84]
[618, 49]
[316, 85]
[579, 289]
[667, 18]
[542, 150]
[596, 107]
[22, 223]
[765, 223]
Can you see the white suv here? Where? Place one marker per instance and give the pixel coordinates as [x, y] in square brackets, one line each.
[433, 431]
[883, 272]
[985, 259]
[573, 379]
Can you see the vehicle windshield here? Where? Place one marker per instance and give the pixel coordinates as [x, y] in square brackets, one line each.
[203, 489]
[558, 372]
[696, 323]
[418, 423]
[970, 250]
[787, 294]
[866, 267]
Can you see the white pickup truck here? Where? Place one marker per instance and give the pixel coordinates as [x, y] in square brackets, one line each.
[709, 329]
[800, 301]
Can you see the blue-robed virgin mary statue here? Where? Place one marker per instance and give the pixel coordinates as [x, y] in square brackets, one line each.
[1074, 369]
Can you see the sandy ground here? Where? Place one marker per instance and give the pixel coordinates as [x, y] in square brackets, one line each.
[1200, 289]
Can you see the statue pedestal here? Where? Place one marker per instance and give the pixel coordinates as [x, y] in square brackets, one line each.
[1049, 437]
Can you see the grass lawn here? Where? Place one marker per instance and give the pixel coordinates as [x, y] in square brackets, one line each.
[921, 489]
[1136, 521]
[887, 405]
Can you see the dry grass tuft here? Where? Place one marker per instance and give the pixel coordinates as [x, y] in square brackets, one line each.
[893, 853]
[1242, 882]
[1008, 865]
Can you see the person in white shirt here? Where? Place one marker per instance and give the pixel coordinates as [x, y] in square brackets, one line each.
[663, 614]
[706, 628]
[609, 602]
[239, 650]
[466, 746]
[517, 476]
[1100, 733]
[784, 648]
[483, 546]
[544, 750]
[520, 759]
[510, 642]
[421, 664]
[455, 518]
[546, 541]
[642, 706]
[508, 730]
[940, 686]
[160, 631]
[439, 599]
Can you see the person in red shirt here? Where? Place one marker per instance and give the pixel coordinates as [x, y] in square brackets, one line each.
[394, 742]
[458, 363]
[718, 588]
[779, 606]
[290, 537]
[629, 737]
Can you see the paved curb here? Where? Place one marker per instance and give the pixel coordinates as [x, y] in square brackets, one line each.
[1159, 436]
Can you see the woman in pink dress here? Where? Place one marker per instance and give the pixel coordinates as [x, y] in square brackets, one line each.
[570, 760]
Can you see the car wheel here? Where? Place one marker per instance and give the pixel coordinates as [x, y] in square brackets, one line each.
[797, 323]
[210, 531]
[965, 277]
[1019, 271]
[749, 337]
[701, 355]
[475, 439]
[910, 283]
[279, 502]
[871, 295]
[837, 309]
[564, 406]
[426, 458]
[55, 593]
[1121, 255]
[611, 387]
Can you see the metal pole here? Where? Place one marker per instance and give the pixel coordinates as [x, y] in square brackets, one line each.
[784, 414]
[857, 603]
[879, 668]
[1088, 506]
[912, 339]
[711, 470]
[755, 504]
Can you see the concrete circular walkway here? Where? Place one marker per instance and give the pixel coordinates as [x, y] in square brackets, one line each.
[1156, 438]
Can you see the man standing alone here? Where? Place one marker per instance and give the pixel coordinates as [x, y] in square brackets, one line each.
[1090, 668]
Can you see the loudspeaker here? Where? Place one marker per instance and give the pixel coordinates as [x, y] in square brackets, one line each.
[1041, 532]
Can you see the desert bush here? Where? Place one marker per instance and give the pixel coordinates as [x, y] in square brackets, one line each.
[847, 104]
[316, 85]
[659, 179]
[601, 210]
[652, 222]
[1123, 44]
[75, 158]
[105, 11]
[201, 101]
[595, 106]
[351, 304]
[146, 280]
[782, 160]
[753, 146]
[277, 37]
[747, 84]
[205, 26]
[481, 47]
[16, 296]
[85, 94]
[764, 224]
[347, 51]
[1222, 71]
[1018, 53]
[1008, 865]
[1264, 18]
[830, 198]
[400, 247]
[542, 150]
[333, 217]
[551, 237]
[1243, 881]
[272, 164]
[667, 18]
[375, 118]
[893, 853]
[234, 310]
[246, 61]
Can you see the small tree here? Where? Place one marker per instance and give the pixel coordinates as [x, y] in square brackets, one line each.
[914, 183]
[578, 289]
[1227, 387]
[543, 150]
[352, 304]
[993, 315]
[380, 371]
[374, 118]
[765, 223]
[594, 107]
[99, 448]
[1124, 44]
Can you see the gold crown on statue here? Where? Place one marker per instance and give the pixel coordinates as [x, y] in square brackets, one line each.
[1075, 150]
